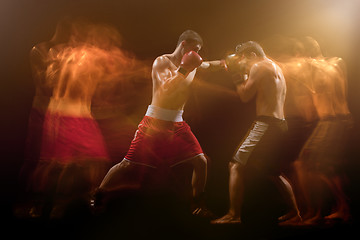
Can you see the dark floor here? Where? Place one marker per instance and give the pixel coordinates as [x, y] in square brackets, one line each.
[151, 226]
[135, 217]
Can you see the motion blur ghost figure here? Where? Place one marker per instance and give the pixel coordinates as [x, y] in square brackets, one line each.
[72, 154]
[319, 123]
[321, 160]
[41, 62]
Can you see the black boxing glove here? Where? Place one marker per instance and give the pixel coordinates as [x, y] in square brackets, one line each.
[236, 68]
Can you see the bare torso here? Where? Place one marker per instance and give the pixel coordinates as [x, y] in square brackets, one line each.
[79, 73]
[170, 90]
[271, 91]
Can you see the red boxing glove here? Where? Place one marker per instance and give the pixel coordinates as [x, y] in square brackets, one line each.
[189, 62]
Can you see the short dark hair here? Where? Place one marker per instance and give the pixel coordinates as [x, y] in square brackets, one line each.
[190, 36]
[248, 47]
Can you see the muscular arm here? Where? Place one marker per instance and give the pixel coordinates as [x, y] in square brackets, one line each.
[247, 89]
[213, 65]
[163, 76]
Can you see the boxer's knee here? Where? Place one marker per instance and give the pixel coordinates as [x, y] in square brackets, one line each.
[199, 162]
[236, 166]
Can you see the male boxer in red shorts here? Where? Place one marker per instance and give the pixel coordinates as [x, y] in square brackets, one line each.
[163, 139]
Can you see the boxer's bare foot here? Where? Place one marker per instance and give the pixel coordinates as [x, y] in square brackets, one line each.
[227, 219]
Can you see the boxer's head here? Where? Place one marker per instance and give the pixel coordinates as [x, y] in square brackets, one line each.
[190, 41]
[249, 50]
[249, 53]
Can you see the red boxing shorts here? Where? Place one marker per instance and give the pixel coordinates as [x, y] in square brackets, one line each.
[159, 143]
[73, 157]
[72, 139]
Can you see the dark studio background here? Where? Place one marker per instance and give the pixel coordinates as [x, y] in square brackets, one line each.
[151, 28]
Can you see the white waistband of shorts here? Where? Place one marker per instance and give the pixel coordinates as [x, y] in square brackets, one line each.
[164, 114]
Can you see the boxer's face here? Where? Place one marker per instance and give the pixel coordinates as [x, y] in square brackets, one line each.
[244, 61]
[248, 60]
[191, 46]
